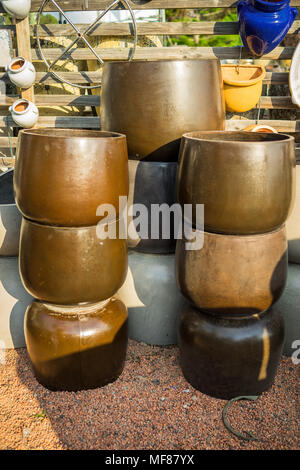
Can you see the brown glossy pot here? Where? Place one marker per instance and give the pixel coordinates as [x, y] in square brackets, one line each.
[79, 347]
[62, 175]
[154, 102]
[229, 357]
[245, 180]
[70, 265]
[233, 274]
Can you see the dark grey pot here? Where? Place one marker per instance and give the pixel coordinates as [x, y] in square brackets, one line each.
[152, 297]
[152, 183]
[289, 305]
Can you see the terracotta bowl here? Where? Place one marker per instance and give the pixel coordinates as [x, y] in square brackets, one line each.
[233, 274]
[10, 217]
[226, 357]
[63, 175]
[70, 265]
[246, 180]
[79, 347]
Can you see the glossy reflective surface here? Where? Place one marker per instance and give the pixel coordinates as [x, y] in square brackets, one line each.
[70, 265]
[10, 217]
[245, 180]
[228, 357]
[233, 274]
[154, 102]
[63, 175]
[293, 224]
[76, 348]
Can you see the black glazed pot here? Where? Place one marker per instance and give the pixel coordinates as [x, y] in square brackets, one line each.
[226, 357]
[151, 183]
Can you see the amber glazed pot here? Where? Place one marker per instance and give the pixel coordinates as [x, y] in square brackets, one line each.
[245, 180]
[70, 265]
[233, 274]
[227, 357]
[154, 102]
[78, 347]
[63, 175]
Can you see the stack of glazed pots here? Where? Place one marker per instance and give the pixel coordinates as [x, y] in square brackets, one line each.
[231, 339]
[13, 297]
[75, 331]
[153, 103]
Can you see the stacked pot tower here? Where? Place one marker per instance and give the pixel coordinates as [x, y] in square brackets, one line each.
[75, 330]
[153, 103]
[231, 338]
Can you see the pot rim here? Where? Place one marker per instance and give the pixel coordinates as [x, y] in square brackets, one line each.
[21, 100]
[254, 137]
[65, 133]
[16, 60]
[242, 83]
[241, 237]
[11, 170]
[144, 61]
[72, 229]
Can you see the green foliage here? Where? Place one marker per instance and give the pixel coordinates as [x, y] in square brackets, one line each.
[212, 14]
[48, 19]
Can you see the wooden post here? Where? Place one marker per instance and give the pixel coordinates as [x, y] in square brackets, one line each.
[24, 50]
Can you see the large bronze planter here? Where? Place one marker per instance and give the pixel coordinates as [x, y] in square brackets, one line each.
[10, 217]
[246, 180]
[293, 224]
[63, 175]
[234, 274]
[76, 348]
[154, 102]
[228, 357]
[70, 265]
[151, 183]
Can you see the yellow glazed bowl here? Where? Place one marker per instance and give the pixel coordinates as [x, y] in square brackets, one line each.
[242, 86]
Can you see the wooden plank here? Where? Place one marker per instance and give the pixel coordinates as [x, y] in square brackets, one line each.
[274, 78]
[4, 142]
[170, 28]
[72, 122]
[143, 5]
[23, 45]
[157, 53]
[281, 126]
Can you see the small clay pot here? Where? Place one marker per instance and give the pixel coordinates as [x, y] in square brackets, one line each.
[65, 265]
[10, 217]
[260, 128]
[152, 298]
[79, 347]
[24, 113]
[289, 305]
[21, 72]
[151, 183]
[227, 357]
[233, 274]
[80, 170]
[17, 8]
[246, 180]
[293, 224]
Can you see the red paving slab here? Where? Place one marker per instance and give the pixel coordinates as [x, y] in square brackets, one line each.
[150, 407]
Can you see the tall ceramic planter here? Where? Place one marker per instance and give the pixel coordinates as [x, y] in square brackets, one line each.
[152, 298]
[155, 102]
[80, 170]
[293, 224]
[77, 347]
[66, 265]
[233, 274]
[245, 180]
[10, 217]
[227, 357]
[264, 24]
[151, 183]
[13, 300]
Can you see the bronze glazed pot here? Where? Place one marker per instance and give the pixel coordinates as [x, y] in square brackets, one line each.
[245, 180]
[154, 102]
[151, 183]
[227, 357]
[63, 175]
[65, 265]
[79, 347]
[233, 274]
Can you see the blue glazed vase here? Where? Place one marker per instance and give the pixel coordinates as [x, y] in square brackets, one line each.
[263, 25]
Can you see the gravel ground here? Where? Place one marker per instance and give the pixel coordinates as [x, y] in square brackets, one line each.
[150, 407]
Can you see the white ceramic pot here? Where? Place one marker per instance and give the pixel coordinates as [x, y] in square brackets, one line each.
[24, 113]
[10, 217]
[293, 224]
[13, 300]
[18, 9]
[21, 72]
